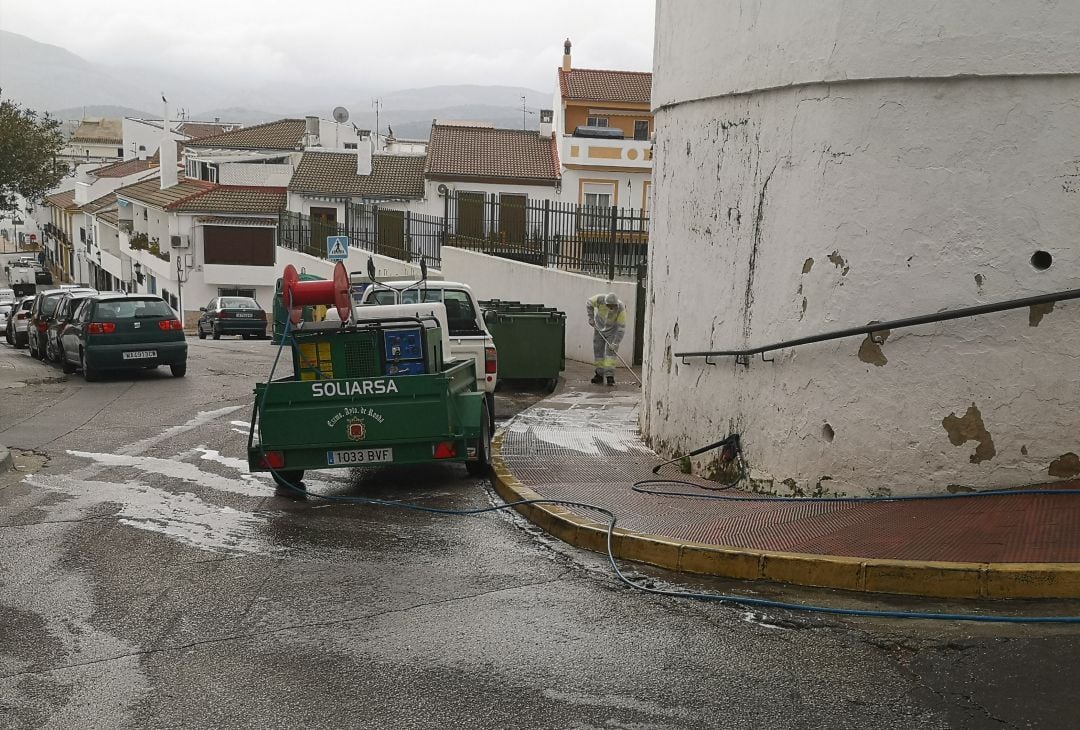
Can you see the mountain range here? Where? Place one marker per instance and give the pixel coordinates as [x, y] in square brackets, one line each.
[49, 78]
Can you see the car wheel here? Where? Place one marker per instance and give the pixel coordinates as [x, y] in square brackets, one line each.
[217, 333]
[245, 336]
[66, 366]
[202, 335]
[178, 369]
[20, 342]
[89, 374]
[482, 464]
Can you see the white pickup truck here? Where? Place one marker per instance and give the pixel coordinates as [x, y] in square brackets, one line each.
[469, 335]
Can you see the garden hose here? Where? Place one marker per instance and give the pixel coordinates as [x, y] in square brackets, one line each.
[668, 593]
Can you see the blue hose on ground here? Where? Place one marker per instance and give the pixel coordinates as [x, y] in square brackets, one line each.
[612, 520]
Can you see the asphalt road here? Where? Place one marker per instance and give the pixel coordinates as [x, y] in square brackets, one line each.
[148, 581]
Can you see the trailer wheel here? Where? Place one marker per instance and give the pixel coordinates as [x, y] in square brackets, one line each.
[482, 464]
[294, 477]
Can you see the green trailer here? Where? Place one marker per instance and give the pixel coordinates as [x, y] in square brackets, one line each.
[370, 391]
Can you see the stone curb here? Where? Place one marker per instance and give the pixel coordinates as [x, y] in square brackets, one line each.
[907, 577]
[6, 460]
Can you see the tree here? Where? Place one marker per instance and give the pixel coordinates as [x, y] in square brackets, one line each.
[29, 144]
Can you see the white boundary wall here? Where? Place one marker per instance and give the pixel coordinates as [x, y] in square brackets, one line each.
[491, 277]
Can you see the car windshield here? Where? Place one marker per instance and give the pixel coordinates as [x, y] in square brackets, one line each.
[238, 303]
[112, 310]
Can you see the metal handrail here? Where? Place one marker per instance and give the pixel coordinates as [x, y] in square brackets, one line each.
[889, 325]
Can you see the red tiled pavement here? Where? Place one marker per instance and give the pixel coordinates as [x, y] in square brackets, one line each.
[584, 447]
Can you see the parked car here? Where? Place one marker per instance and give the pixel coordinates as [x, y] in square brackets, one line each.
[41, 314]
[7, 296]
[61, 318]
[232, 316]
[19, 322]
[5, 312]
[123, 332]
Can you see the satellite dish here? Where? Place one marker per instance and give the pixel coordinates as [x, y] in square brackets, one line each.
[341, 114]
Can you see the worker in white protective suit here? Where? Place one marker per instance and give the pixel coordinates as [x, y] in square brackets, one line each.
[607, 317]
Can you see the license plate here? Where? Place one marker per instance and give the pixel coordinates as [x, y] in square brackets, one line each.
[140, 354]
[359, 456]
[248, 315]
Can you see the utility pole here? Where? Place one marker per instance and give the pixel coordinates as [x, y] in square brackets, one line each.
[524, 114]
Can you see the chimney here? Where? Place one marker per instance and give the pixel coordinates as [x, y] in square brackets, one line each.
[311, 132]
[142, 152]
[167, 151]
[363, 157]
[546, 115]
[566, 55]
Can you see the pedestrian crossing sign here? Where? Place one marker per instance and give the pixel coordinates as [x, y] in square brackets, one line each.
[337, 248]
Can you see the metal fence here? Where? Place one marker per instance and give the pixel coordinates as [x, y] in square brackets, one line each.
[602, 241]
[399, 234]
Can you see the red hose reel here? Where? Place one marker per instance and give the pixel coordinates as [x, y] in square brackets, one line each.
[296, 294]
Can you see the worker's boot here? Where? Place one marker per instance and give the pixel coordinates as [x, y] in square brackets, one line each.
[611, 380]
[597, 379]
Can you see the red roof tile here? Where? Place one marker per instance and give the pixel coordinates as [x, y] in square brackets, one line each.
[587, 84]
[334, 173]
[483, 152]
[63, 201]
[124, 168]
[234, 199]
[284, 134]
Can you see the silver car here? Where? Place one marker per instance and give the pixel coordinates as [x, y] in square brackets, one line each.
[18, 325]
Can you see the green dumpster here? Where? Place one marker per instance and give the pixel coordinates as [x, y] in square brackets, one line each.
[530, 338]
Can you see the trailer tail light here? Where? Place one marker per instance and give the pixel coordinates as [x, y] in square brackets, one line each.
[272, 460]
[42, 326]
[445, 450]
[101, 328]
[22, 315]
[491, 360]
[170, 324]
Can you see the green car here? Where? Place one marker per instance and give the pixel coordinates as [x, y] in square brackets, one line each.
[123, 332]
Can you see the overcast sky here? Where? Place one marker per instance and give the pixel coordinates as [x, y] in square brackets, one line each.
[388, 44]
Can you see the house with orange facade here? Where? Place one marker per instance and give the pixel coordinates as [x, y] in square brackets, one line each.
[603, 125]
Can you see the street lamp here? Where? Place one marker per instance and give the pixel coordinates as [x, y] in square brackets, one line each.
[137, 268]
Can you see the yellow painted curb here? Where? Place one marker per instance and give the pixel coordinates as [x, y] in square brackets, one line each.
[906, 577]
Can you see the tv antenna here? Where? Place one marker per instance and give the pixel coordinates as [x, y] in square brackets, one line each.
[341, 115]
[376, 104]
[525, 112]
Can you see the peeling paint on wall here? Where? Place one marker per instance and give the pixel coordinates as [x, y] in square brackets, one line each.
[1066, 465]
[970, 427]
[839, 262]
[1038, 311]
[979, 279]
[807, 265]
[870, 349]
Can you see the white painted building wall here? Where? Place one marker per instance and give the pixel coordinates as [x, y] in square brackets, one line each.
[491, 277]
[838, 163]
[146, 133]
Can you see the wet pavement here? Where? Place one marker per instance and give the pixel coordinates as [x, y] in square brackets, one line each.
[585, 446]
[146, 580]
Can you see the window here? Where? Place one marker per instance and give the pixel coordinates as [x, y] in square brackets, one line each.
[597, 121]
[641, 129]
[597, 199]
[191, 169]
[152, 286]
[235, 292]
[119, 151]
[112, 310]
[460, 315]
[350, 145]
